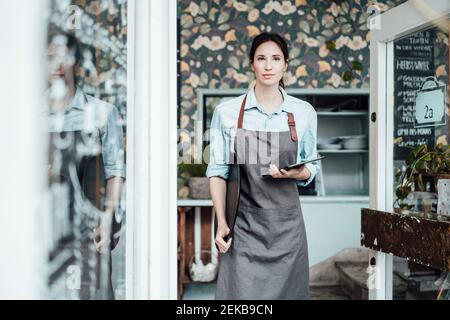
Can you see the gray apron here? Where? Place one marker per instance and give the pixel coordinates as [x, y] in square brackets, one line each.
[268, 257]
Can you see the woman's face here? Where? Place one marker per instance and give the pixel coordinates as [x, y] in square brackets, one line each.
[269, 64]
[60, 64]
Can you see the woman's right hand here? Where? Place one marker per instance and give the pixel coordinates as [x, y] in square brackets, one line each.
[222, 232]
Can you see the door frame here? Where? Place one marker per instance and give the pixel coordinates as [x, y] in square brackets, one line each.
[151, 188]
[23, 140]
[393, 24]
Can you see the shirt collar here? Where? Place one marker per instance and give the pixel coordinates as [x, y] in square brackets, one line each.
[253, 103]
[78, 102]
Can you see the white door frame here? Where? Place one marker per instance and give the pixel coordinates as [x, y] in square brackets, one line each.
[22, 137]
[395, 23]
[151, 249]
[151, 234]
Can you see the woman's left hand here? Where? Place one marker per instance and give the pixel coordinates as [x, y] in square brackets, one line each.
[102, 238]
[301, 173]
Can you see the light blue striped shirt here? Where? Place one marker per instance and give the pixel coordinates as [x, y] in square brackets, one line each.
[106, 121]
[224, 122]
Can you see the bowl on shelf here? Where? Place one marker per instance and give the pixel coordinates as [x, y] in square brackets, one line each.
[329, 146]
[354, 142]
[332, 143]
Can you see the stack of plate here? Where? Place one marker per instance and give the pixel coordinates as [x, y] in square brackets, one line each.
[354, 142]
[329, 144]
[344, 142]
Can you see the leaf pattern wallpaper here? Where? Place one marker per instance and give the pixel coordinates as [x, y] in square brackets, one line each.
[441, 56]
[328, 41]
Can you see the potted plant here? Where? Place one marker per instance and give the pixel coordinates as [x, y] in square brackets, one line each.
[424, 168]
[195, 174]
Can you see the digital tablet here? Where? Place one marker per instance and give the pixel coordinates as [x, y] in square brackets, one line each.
[292, 166]
[302, 163]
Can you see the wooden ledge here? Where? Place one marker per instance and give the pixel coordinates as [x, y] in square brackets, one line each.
[422, 238]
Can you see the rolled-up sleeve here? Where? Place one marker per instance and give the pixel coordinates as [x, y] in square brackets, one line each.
[218, 165]
[113, 150]
[308, 149]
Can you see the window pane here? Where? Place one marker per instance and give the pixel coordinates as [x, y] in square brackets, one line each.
[420, 63]
[85, 116]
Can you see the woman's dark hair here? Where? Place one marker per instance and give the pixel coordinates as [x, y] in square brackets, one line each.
[71, 42]
[266, 37]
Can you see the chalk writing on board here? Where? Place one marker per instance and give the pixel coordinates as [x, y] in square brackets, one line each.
[413, 63]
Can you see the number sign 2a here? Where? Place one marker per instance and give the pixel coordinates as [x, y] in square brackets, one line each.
[430, 107]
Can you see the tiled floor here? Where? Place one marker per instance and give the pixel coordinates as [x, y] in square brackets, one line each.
[199, 291]
[205, 291]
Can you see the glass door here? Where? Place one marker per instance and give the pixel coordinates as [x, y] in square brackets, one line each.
[84, 114]
[409, 141]
[418, 146]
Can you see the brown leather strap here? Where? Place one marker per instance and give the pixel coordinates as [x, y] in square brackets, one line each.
[291, 120]
[241, 113]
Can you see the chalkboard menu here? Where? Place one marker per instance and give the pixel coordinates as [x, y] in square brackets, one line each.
[413, 62]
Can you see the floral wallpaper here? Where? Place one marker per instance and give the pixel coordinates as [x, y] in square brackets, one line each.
[328, 41]
[441, 56]
[441, 53]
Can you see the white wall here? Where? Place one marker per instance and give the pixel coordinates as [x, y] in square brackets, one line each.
[331, 227]
[23, 145]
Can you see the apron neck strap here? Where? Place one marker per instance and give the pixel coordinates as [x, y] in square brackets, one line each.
[241, 113]
[291, 120]
[291, 123]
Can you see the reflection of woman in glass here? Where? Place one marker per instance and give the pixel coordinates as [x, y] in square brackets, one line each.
[260, 228]
[94, 128]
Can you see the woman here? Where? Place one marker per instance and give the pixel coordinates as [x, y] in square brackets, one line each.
[68, 108]
[260, 230]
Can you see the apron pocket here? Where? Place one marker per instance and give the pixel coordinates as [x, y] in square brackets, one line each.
[263, 229]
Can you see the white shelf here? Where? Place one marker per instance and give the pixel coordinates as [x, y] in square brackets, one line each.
[342, 113]
[343, 151]
[303, 199]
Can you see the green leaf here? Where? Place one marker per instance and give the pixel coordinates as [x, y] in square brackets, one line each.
[316, 26]
[327, 33]
[342, 19]
[409, 159]
[204, 7]
[420, 183]
[346, 28]
[186, 33]
[402, 192]
[357, 65]
[347, 75]
[212, 15]
[321, 39]
[304, 26]
[224, 16]
[204, 78]
[234, 62]
[186, 21]
[345, 7]
[224, 27]
[199, 20]
[331, 45]
[294, 53]
[295, 63]
[205, 28]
